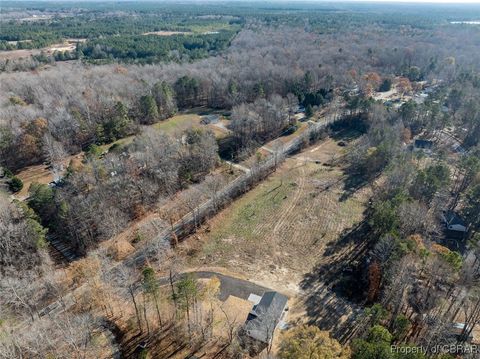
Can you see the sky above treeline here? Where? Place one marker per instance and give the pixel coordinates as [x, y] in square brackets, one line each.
[416, 1]
[395, 1]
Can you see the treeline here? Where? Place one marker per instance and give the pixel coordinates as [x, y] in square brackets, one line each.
[256, 123]
[99, 197]
[23, 244]
[35, 143]
[413, 272]
[94, 25]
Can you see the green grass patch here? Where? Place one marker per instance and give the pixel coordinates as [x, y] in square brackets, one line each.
[178, 123]
[252, 210]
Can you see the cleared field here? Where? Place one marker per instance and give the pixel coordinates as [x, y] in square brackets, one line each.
[181, 122]
[278, 231]
[178, 123]
[67, 45]
[18, 54]
[40, 174]
[166, 33]
[33, 174]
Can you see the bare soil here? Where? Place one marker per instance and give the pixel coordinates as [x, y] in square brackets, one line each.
[166, 33]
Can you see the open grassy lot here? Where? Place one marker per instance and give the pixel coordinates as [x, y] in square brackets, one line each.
[278, 231]
[178, 123]
[184, 121]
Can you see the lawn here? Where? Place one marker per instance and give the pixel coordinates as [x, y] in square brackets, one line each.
[172, 126]
[178, 123]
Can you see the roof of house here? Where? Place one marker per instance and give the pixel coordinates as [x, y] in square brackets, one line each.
[452, 219]
[419, 143]
[264, 317]
[207, 119]
[457, 329]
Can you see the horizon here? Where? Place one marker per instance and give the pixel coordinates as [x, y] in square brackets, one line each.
[449, 2]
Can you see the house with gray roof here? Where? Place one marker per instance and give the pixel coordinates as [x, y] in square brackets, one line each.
[263, 319]
[210, 119]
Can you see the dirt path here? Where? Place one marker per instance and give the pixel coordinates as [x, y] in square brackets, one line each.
[239, 166]
[268, 149]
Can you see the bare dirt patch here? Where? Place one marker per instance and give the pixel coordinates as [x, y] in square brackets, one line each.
[166, 33]
[18, 54]
[67, 45]
[40, 174]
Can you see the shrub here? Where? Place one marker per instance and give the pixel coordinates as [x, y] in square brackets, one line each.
[14, 100]
[386, 85]
[15, 184]
[309, 111]
[7, 173]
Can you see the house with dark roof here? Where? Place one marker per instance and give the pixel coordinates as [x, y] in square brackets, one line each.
[209, 119]
[423, 144]
[453, 222]
[263, 319]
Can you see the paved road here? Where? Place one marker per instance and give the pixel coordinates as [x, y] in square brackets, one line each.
[237, 287]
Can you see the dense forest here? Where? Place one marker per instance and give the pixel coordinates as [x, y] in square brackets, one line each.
[271, 71]
[162, 34]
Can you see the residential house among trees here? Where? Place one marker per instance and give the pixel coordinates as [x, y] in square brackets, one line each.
[263, 319]
[423, 144]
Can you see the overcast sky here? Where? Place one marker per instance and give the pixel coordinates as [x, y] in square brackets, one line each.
[422, 1]
[451, 2]
[413, 1]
